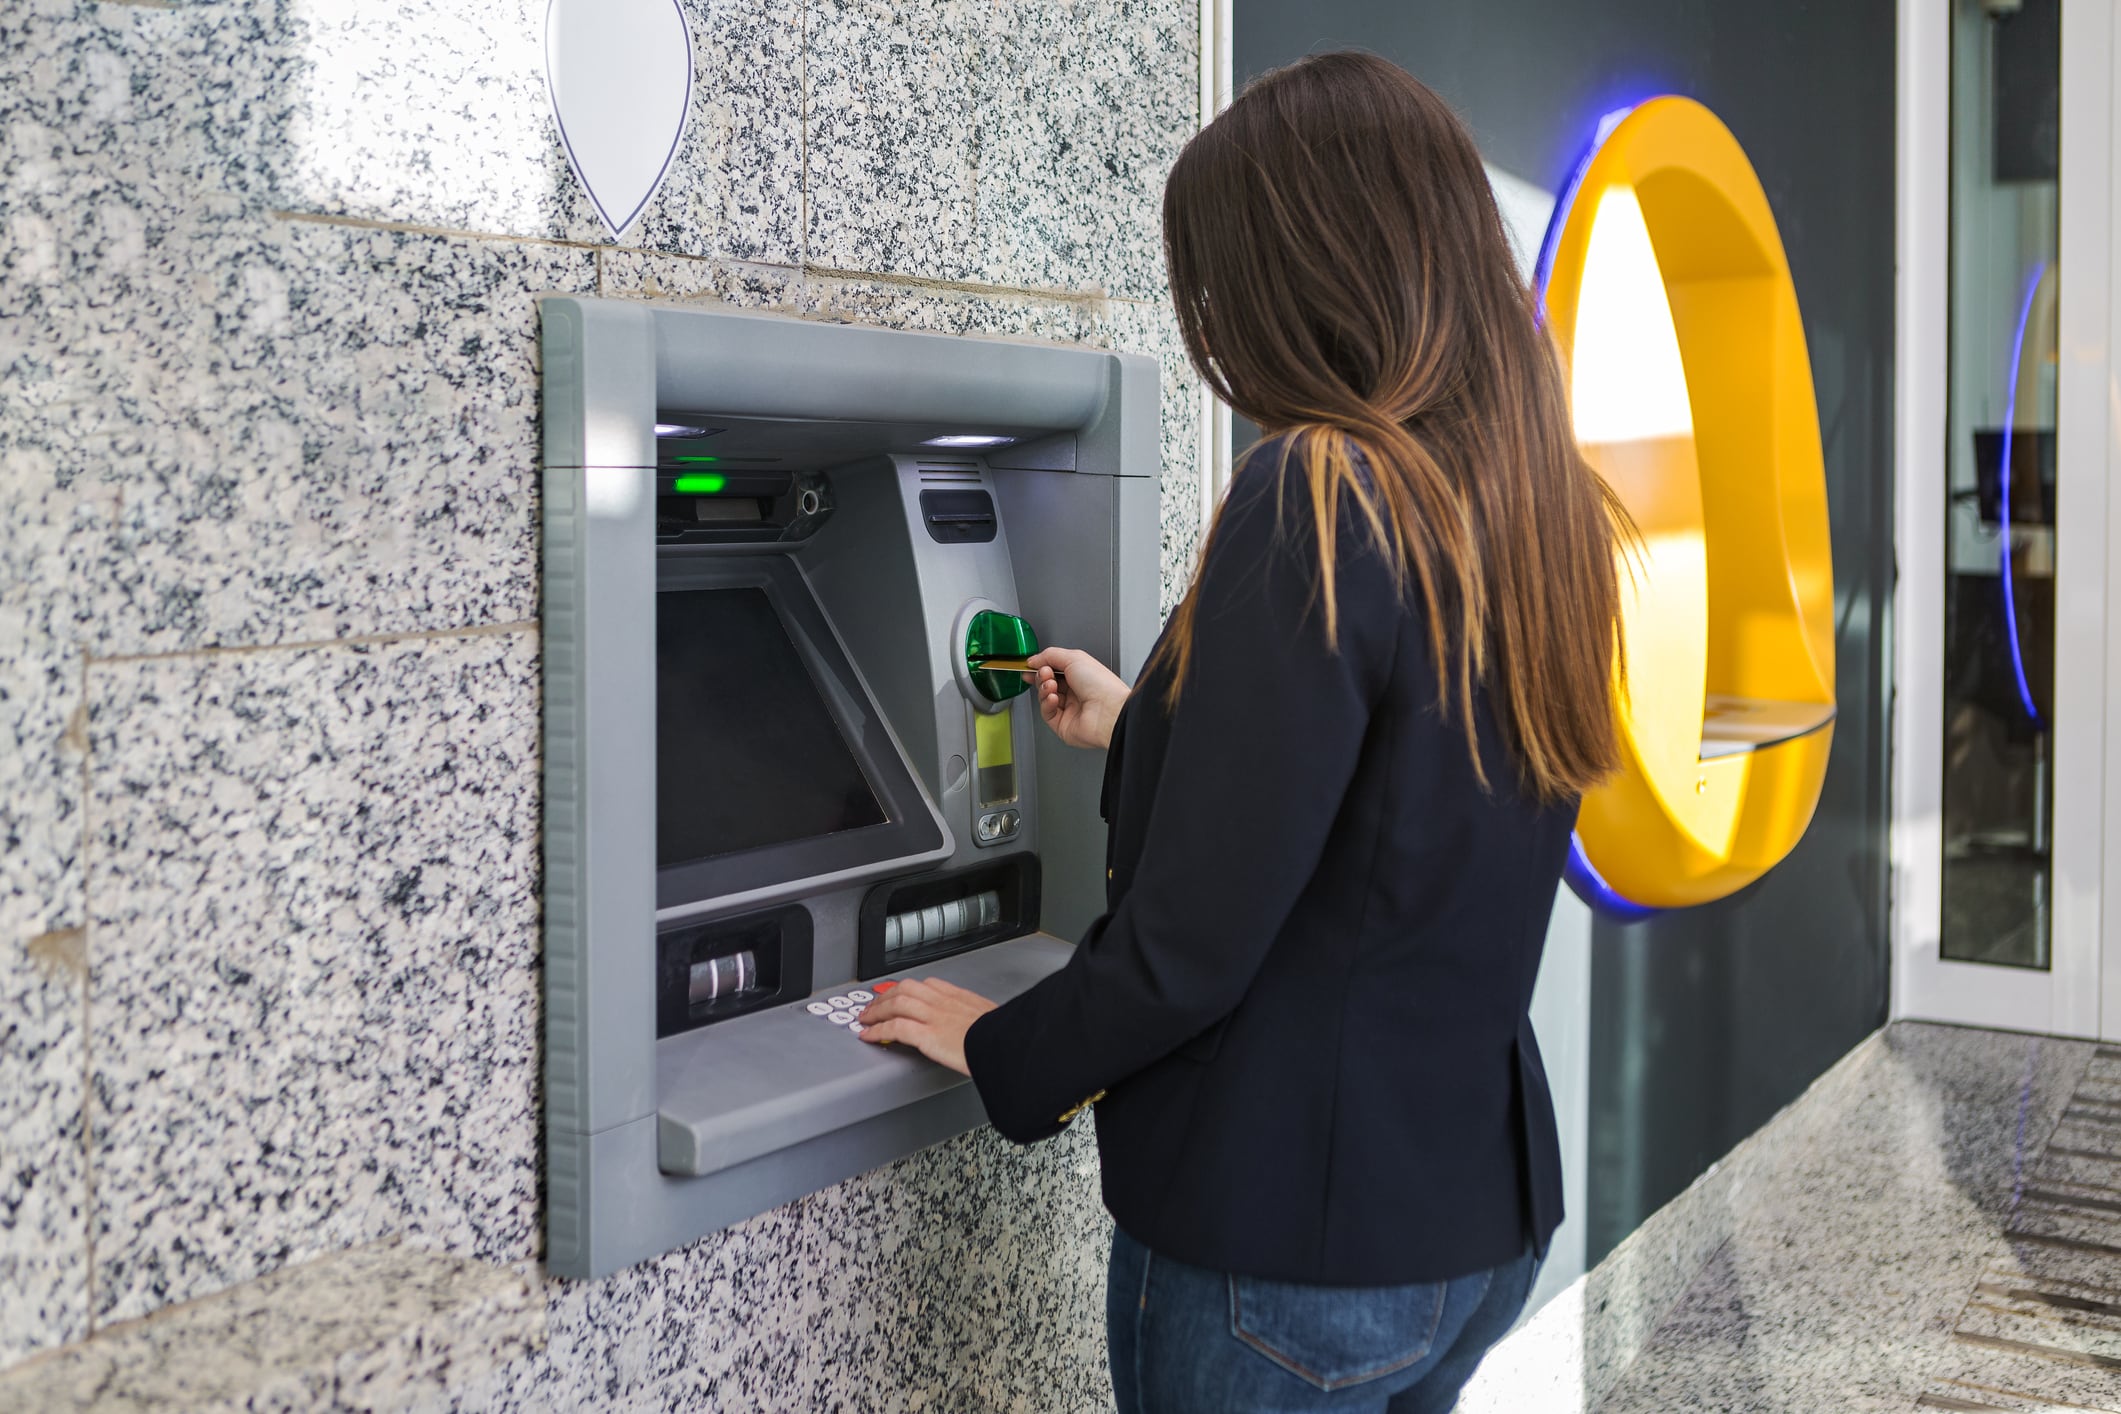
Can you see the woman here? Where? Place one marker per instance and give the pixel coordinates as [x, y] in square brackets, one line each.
[1340, 795]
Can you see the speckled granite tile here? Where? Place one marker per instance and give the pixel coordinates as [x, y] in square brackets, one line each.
[454, 126]
[2060, 1265]
[968, 311]
[2076, 1166]
[53, 512]
[264, 430]
[2102, 1078]
[429, 113]
[746, 285]
[969, 1276]
[1911, 1142]
[891, 143]
[387, 1326]
[1763, 1330]
[2051, 1213]
[1995, 1319]
[735, 188]
[999, 1279]
[313, 431]
[43, 1194]
[314, 992]
[1988, 1378]
[277, 431]
[41, 538]
[44, 1260]
[437, 114]
[1627, 1294]
[1603, 1322]
[1860, 1230]
[2042, 1341]
[1074, 143]
[954, 141]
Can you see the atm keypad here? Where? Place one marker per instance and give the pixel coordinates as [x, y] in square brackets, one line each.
[846, 1009]
[843, 1010]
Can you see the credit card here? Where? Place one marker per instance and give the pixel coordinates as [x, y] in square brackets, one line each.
[1008, 665]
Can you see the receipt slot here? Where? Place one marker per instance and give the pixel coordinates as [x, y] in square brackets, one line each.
[791, 572]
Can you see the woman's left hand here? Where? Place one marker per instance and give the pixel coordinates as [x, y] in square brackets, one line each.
[931, 1015]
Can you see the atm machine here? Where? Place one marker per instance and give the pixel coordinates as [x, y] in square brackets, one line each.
[779, 776]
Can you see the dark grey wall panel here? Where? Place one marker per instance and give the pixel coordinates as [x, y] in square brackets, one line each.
[1705, 1022]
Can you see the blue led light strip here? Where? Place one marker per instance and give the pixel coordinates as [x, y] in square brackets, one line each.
[1583, 877]
[1543, 269]
[1589, 885]
[2003, 500]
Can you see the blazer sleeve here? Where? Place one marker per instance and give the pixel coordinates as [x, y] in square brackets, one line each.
[1263, 745]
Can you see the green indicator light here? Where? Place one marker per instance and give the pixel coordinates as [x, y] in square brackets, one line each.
[695, 459]
[699, 484]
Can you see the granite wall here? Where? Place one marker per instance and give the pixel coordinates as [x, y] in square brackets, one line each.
[269, 780]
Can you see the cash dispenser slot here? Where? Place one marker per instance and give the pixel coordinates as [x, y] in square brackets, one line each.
[911, 921]
[716, 971]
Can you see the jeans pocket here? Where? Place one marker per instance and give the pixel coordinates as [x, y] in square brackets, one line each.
[1334, 1337]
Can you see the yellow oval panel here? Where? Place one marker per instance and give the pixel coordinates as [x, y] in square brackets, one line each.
[1670, 299]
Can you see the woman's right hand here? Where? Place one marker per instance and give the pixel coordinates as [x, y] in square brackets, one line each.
[1081, 700]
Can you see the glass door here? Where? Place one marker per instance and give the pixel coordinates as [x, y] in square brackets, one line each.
[2002, 501]
[2000, 719]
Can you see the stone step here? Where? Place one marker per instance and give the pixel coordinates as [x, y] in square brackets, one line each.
[388, 1326]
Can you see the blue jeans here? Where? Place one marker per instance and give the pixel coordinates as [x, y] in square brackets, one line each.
[1186, 1340]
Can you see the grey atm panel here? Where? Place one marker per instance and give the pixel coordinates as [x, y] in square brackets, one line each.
[770, 782]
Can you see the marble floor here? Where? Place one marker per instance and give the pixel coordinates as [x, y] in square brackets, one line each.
[1935, 1225]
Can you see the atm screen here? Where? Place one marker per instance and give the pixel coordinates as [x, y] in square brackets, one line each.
[747, 753]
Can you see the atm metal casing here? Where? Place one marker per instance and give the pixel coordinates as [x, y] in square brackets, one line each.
[653, 1143]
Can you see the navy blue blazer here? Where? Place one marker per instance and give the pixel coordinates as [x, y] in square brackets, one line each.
[1303, 1016]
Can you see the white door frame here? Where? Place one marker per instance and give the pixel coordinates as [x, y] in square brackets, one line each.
[2091, 380]
[2068, 999]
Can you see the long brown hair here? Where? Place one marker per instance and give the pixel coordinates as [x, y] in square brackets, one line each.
[1343, 279]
